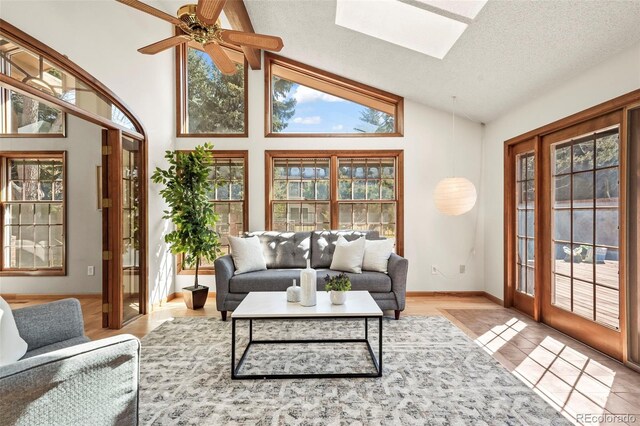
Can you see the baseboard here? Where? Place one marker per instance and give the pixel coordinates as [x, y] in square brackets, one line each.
[18, 296]
[470, 293]
[444, 293]
[211, 295]
[493, 298]
[162, 302]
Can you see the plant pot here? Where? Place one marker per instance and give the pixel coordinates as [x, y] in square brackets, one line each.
[337, 297]
[195, 298]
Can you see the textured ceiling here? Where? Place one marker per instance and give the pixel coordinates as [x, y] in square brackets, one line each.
[512, 51]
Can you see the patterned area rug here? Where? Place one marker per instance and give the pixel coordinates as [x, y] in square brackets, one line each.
[432, 374]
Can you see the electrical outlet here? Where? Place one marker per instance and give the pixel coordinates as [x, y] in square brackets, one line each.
[91, 270]
[434, 270]
[463, 269]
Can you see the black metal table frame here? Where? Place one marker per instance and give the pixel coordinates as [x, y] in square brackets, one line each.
[377, 363]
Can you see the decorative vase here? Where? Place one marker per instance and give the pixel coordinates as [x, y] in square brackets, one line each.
[293, 293]
[338, 297]
[308, 283]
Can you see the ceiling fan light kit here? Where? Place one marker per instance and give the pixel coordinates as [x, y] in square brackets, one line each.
[200, 25]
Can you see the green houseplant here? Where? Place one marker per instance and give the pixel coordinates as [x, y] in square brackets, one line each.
[337, 286]
[186, 188]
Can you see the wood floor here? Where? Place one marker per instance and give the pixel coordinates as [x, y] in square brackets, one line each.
[575, 379]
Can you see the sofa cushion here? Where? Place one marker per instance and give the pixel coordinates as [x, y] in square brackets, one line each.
[323, 244]
[374, 282]
[55, 346]
[247, 254]
[280, 279]
[284, 249]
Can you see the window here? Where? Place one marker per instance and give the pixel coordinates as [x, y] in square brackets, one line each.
[301, 194]
[305, 101]
[208, 102]
[33, 214]
[323, 190]
[229, 198]
[586, 188]
[26, 66]
[22, 116]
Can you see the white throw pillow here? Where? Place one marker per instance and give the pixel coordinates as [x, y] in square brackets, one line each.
[247, 254]
[12, 346]
[376, 255]
[348, 256]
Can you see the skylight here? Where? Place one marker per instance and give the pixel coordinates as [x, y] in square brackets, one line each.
[467, 8]
[406, 25]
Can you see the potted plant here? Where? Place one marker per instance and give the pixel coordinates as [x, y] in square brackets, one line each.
[186, 188]
[337, 286]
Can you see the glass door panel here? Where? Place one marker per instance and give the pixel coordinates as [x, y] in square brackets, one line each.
[520, 179]
[585, 228]
[131, 226]
[525, 224]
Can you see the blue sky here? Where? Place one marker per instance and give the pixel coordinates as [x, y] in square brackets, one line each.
[318, 112]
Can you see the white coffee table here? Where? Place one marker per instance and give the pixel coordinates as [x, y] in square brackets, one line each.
[269, 305]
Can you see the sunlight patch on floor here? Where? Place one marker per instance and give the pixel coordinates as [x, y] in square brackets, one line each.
[569, 381]
[498, 336]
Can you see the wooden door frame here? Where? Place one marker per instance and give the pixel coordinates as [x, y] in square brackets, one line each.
[524, 303]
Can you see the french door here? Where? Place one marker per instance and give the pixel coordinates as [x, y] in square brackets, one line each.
[565, 220]
[584, 256]
[124, 229]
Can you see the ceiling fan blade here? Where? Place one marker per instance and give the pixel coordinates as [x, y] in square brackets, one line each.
[151, 11]
[220, 58]
[259, 41]
[195, 45]
[208, 11]
[165, 44]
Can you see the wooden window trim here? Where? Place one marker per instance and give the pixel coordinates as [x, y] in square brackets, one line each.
[335, 85]
[269, 156]
[181, 93]
[235, 154]
[5, 155]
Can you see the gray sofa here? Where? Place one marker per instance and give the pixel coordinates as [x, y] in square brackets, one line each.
[66, 379]
[286, 254]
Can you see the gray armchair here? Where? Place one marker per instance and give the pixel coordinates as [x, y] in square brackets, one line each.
[65, 378]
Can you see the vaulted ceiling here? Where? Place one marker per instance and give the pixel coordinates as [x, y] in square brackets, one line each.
[512, 51]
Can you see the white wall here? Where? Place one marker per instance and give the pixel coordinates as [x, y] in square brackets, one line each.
[84, 220]
[146, 84]
[103, 38]
[430, 238]
[614, 77]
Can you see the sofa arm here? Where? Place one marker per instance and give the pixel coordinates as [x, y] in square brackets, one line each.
[42, 325]
[225, 269]
[93, 383]
[397, 268]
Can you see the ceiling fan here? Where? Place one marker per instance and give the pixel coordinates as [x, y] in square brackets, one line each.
[200, 24]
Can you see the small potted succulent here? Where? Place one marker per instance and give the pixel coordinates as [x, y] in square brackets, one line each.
[337, 286]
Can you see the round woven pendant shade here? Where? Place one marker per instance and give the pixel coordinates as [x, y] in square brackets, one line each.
[455, 196]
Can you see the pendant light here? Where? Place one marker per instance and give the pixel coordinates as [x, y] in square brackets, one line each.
[454, 195]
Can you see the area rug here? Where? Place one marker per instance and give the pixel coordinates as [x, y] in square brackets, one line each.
[432, 374]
